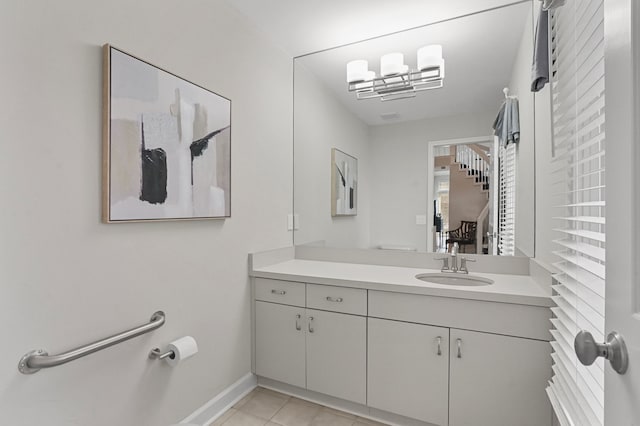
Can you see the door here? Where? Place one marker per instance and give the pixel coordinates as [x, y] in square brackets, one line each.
[280, 343]
[409, 369]
[498, 380]
[337, 355]
[622, 306]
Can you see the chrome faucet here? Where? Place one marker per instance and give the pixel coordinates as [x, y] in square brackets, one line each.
[450, 264]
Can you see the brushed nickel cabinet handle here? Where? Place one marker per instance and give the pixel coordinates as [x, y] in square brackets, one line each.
[439, 338]
[298, 326]
[459, 343]
[311, 329]
[334, 299]
[278, 292]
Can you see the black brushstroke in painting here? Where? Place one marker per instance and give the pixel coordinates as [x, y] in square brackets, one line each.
[344, 182]
[154, 174]
[198, 147]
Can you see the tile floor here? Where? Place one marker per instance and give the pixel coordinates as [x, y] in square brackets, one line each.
[264, 407]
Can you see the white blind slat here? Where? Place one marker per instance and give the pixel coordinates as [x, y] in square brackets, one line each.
[595, 268]
[584, 248]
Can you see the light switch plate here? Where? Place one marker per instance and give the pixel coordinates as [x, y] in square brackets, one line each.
[421, 219]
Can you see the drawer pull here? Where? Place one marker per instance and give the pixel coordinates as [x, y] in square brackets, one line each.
[298, 326]
[311, 329]
[334, 299]
[459, 343]
[279, 292]
[439, 338]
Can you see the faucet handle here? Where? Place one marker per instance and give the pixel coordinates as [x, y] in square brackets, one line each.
[445, 263]
[463, 264]
[455, 249]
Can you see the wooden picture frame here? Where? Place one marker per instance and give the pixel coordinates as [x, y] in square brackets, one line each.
[166, 145]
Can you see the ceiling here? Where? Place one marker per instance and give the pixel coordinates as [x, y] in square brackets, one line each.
[479, 48]
[306, 26]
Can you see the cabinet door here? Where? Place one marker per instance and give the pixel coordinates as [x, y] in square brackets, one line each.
[280, 346]
[409, 369]
[336, 355]
[498, 380]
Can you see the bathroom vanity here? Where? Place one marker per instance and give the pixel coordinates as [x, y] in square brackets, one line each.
[403, 350]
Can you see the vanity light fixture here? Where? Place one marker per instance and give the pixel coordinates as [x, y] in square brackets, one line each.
[397, 80]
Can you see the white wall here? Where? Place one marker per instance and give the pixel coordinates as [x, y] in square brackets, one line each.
[520, 86]
[65, 278]
[399, 184]
[323, 123]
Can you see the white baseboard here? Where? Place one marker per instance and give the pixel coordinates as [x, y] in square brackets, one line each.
[219, 404]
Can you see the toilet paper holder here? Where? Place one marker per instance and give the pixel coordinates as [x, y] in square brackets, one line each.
[177, 351]
[156, 353]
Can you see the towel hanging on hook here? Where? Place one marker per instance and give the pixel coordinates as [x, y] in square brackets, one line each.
[506, 126]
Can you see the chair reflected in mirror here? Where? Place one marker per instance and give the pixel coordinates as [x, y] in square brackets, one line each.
[464, 235]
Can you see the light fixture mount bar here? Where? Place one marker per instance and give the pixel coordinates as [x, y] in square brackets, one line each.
[399, 86]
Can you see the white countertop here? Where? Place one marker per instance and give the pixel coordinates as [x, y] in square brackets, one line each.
[518, 289]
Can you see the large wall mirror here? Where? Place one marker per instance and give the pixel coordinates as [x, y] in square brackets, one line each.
[418, 170]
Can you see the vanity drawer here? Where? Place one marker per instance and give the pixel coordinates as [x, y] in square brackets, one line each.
[285, 292]
[492, 317]
[337, 299]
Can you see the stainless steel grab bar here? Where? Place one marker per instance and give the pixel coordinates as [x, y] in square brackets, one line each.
[33, 361]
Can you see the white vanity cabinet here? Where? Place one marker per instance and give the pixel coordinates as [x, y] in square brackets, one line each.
[280, 343]
[439, 360]
[315, 349]
[409, 369]
[498, 380]
[337, 355]
[493, 379]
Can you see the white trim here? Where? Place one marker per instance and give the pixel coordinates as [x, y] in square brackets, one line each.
[261, 259]
[480, 231]
[219, 404]
[430, 161]
[622, 85]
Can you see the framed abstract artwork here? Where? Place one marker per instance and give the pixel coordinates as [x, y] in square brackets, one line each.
[166, 145]
[344, 184]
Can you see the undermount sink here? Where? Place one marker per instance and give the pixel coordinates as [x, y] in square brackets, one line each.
[454, 279]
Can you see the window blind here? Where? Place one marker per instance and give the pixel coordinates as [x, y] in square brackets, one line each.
[507, 200]
[578, 96]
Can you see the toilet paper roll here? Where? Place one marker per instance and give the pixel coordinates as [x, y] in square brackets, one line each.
[183, 348]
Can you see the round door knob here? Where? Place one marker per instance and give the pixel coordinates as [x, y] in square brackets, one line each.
[587, 349]
[614, 350]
